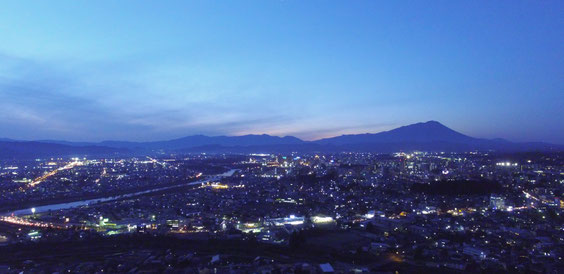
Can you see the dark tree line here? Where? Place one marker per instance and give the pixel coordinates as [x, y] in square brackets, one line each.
[458, 187]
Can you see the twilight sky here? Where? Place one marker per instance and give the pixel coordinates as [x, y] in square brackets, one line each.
[152, 70]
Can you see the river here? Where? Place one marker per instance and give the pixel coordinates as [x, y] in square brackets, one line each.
[68, 205]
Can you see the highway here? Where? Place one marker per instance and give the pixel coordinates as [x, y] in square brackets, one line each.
[44, 177]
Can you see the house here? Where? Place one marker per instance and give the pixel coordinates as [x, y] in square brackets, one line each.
[326, 268]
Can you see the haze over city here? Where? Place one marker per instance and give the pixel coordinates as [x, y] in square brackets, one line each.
[143, 71]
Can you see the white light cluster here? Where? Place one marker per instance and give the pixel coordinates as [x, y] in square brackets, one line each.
[506, 164]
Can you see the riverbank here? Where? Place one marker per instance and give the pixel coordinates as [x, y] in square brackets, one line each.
[114, 197]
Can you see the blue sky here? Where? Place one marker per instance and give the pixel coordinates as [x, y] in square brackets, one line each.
[152, 70]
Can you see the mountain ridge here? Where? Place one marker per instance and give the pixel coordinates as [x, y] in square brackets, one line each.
[430, 136]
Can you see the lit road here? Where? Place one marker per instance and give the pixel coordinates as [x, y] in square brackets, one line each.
[44, 177]
[23, 222]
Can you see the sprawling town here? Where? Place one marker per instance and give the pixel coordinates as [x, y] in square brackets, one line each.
[275, 213]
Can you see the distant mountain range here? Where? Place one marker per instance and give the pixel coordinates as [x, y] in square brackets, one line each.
[428, 136]
[25, 150]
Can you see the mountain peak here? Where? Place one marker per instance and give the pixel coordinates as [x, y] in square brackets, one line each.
[433, 122]
[423, 132]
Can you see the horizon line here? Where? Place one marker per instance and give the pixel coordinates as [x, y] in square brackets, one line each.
[263, 134]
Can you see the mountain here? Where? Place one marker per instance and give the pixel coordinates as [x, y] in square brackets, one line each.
[228, 141]
[52, 148]
[28, 150]
[192, 141]
[427, 136]
[202, 140]
[431, 131]
[67, 143]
